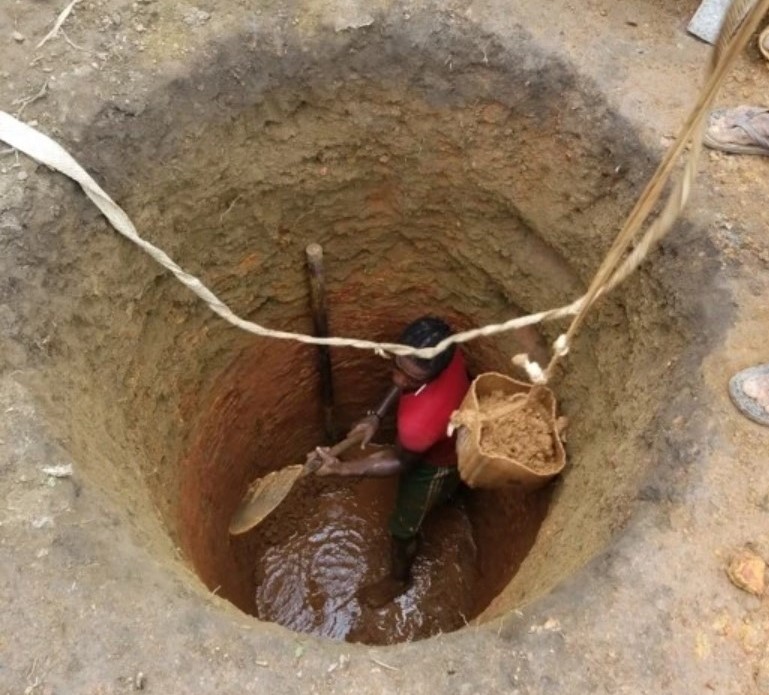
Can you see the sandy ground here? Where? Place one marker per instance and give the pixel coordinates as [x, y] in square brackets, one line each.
[87, 608]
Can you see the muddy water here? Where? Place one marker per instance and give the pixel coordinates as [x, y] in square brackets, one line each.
[310, 570]
[330, 540]
[309, 567]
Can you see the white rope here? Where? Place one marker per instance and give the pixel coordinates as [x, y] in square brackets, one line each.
[561, 346]
[613, 270]
[40, 147]
[533, 370]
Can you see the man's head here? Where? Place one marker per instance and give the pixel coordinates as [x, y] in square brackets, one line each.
[413, 372]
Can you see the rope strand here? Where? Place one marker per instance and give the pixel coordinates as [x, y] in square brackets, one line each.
[45, 150]
[612, 271]
[732, 39]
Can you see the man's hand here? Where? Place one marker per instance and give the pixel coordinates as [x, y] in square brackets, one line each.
[365, 429]
[380, 463]
[330, 465]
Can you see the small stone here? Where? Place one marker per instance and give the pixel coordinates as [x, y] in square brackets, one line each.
[18, 37]
[354, 21]
[139, 681]
[752, 637]
[746, 572]
[721, 625]
[22, 176]
[42, 522]
[61, 471]
[195, 17]
[702, 646]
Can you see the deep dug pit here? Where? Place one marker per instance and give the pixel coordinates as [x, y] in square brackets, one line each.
[474, 186]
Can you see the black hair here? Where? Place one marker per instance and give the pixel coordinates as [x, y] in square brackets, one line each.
[428, 331]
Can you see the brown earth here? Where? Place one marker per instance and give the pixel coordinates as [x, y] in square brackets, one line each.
[452, 157]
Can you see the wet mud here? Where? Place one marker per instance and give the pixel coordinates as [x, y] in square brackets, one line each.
[315, 555]
[310, 572]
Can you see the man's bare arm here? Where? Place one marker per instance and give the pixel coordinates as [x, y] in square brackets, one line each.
[380, 464]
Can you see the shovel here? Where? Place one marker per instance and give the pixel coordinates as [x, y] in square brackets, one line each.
[265, 494]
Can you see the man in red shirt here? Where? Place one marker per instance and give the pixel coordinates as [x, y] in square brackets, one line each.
[427, 392]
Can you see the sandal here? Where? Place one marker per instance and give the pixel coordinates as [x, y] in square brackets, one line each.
[749, 390]
[740, 130]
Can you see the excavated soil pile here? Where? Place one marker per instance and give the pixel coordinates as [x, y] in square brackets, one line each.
[519, 430]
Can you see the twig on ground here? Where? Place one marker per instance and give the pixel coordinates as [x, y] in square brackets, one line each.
[59, 21]
[73, 44]
[231, 205]
[23, 102]
[383, 664]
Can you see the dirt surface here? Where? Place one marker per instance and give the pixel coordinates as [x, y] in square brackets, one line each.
[479, 163]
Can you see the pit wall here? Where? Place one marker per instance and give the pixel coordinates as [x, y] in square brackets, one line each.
[469, 187]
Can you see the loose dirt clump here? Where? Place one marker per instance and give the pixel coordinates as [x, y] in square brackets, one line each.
[517, 428]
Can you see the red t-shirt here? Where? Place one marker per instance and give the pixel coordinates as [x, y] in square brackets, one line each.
[423, 416]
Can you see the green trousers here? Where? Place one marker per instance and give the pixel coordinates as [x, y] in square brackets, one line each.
[420, 488]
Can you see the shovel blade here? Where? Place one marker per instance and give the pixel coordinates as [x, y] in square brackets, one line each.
[262, 497]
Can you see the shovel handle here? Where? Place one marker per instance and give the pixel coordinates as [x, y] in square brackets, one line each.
[337, 450]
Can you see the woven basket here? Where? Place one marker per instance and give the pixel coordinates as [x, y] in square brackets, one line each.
[478, 468]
